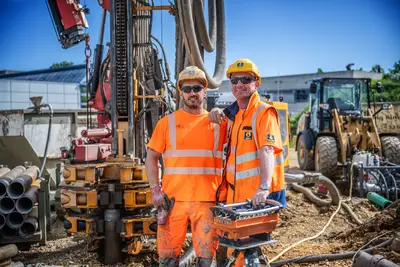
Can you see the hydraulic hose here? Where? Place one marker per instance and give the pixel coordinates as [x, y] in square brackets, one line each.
[191, 44]
[329, 257]
[207, 39]
[314, 178]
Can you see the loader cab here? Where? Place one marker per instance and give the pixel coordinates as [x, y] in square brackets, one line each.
[344, 94]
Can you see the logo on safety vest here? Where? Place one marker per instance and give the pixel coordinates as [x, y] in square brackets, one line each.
[248, 135]
[240, 64]
[270, 138]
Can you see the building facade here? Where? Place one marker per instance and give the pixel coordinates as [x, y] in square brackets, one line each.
[63, 88]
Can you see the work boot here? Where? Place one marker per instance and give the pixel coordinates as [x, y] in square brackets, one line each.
[169, 262]
[203, 262]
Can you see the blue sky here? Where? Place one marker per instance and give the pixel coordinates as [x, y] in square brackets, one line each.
[280, 36]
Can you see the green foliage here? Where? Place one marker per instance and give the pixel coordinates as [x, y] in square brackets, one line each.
[61, 64]
[320, 70]
[295, 120]
[390, 82]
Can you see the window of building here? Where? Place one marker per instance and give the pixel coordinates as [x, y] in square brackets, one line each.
[301, 95]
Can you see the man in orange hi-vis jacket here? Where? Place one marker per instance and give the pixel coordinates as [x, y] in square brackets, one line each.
[191, 147]
[254, 168]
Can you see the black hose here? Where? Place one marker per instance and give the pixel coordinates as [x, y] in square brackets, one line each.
[48, 137]
[329, 257]
[188, 32]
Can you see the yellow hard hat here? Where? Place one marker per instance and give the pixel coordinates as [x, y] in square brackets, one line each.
[192, 73]
[243, 65]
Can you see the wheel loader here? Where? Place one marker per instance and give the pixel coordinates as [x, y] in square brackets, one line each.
[337, 130]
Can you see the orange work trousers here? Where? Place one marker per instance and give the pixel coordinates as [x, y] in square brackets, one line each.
[170, 237]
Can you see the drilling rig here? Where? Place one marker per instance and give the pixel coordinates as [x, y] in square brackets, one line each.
[105, 191]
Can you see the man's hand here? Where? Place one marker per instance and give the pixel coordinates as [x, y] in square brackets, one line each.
[158, 198]
[216, 115]
[260, 197]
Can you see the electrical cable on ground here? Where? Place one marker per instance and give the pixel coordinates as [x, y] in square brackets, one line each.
[326, 225]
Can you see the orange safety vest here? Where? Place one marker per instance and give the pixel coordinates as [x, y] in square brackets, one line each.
[242, 170]
[192, 158]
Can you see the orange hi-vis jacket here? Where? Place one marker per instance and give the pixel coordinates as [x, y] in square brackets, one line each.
[192, 152]
[249, 130]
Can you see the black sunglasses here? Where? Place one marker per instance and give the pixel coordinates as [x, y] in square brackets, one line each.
[194, 88]
[244, 80]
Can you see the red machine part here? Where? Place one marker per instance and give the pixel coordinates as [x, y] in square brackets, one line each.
[71, 14]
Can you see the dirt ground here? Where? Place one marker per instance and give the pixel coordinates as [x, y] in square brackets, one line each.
[301, 219]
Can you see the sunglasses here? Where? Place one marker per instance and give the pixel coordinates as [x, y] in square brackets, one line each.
[194, 88]
[244, 80]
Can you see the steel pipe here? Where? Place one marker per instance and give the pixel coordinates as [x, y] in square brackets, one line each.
[3, 170]
[7, 205]
[8, 177]
[26, 203]
[8, 252]
[21, 184]
[8, 232]
[2, 221]
[29, 227]
[112, 241]
[15, 219]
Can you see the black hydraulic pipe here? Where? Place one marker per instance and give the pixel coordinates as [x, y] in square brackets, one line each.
[29, 227]
[113, 62]
[7, 252]
[98, 56]
[22, 183]
[8, 177]
[2, 221]
[26, 203]
[131, 115]
[329, 257]
[365, 259]
[7, 205]
[112, 253]
[15, 219]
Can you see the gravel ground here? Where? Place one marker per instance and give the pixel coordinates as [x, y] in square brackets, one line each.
[300, 220]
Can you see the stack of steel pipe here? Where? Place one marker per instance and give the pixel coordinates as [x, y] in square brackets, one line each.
[19, 194]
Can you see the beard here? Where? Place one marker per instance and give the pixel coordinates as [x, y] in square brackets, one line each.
[193, 102]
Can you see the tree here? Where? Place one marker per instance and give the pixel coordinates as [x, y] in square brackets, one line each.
[61, 64]
[320, 70]
[390, 82]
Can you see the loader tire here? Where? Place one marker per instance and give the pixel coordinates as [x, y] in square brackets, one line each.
[304, 157]
[391, 148]
[326, 156]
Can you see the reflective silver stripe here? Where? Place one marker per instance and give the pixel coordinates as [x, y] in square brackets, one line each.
[230, 168]
[254, 123]
[247, 157]
[233, 150]
[247, 173]
[192, 153]
[172, 130]
[279, 160]
[216, 136]
[192, 170]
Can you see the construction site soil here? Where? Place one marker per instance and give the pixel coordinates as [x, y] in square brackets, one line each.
[301, 219]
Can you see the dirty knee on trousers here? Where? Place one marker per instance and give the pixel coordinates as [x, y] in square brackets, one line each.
[169, 262]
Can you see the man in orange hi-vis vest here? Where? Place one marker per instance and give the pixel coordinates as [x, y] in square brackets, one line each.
[254, 168]
[191, 147]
